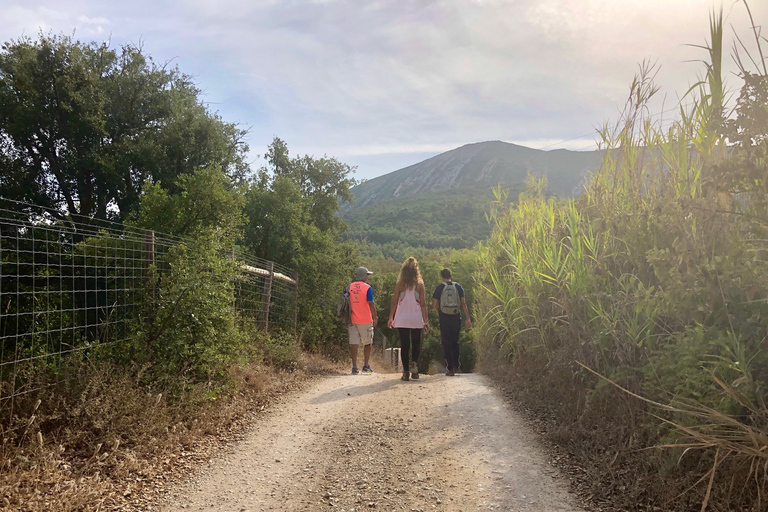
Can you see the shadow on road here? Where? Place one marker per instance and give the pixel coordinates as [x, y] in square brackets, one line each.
[379, 385]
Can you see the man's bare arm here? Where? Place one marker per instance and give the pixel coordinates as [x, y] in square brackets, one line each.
[464, 307]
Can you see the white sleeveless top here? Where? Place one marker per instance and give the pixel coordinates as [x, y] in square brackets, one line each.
[408, 312]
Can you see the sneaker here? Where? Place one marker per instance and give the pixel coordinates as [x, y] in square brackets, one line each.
[367, 369]
[414, 370]
[449, 373]
[406, 375]
[355, 371]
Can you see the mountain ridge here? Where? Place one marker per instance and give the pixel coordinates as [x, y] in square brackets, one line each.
[481, 165]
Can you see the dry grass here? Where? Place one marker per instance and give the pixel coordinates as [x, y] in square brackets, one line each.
[113, 446]
[615, 464]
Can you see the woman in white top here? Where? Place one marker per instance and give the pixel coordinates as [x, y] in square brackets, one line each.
[408, 313]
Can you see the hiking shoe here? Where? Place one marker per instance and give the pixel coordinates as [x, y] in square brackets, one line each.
[414, 370]
[406, 375]
[355, 371]
[367, 369]
[449, 373]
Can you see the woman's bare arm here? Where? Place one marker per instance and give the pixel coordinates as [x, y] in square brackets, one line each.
[393, 305]
[423, 303]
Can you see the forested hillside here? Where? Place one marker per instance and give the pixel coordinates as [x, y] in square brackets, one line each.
[451, 219]
[442, 202]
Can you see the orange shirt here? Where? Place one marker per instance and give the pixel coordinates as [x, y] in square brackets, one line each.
[360, 294]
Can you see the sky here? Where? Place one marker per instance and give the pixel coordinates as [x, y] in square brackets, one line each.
[383, 84]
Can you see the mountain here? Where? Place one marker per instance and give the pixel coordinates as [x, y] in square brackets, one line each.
[482, 165]
[441, 203]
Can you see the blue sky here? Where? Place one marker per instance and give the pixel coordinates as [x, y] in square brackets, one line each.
[385, 84]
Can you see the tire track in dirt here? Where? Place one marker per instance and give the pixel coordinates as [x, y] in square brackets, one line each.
[374, 442]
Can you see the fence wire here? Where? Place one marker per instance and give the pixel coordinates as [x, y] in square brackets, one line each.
[70, 285]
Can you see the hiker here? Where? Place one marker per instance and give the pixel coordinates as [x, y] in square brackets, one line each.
[408, 314]
[362, 318]
[448, 301]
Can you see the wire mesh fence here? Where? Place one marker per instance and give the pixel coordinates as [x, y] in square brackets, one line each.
[266, 291]
[70, 286]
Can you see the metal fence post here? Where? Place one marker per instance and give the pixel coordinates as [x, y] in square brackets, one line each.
[235, 290]
[295, 299]
[268, 294]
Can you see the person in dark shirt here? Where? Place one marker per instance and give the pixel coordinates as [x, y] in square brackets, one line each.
[450, 322]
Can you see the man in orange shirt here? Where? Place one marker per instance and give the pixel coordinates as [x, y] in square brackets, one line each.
[363, 317]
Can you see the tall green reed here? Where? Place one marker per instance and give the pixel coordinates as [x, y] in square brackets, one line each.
[656, 276]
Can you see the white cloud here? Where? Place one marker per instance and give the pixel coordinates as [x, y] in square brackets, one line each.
[410, 77]
[29, 18]
[92, 25]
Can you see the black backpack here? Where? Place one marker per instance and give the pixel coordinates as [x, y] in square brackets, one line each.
[343, 309]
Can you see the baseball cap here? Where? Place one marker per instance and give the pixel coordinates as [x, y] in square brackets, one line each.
[361, 273]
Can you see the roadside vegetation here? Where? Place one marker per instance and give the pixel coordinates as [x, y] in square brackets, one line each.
[100, 135]
[438, 222]
[634, 318]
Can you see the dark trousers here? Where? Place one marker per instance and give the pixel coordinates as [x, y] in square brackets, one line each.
[450, 325]
[410, 341]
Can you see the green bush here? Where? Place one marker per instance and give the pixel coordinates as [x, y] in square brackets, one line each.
[281, 350]
[191, 332]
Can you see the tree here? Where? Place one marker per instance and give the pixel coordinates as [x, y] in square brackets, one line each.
[83, 127]
[323, 182]
[292, 218]
[192, 332]
[295, 200]
[204, 204]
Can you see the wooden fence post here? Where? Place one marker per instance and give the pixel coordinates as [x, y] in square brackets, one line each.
[149, 250]
[268, 294]
[295, 299]
[149, 272]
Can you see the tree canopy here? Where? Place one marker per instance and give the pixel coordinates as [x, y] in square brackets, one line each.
[83, 126]
[294, 202]
[291, 211]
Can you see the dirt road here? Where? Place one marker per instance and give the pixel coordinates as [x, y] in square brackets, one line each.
[374, 442]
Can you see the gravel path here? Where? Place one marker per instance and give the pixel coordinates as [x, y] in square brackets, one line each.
[373, 442]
